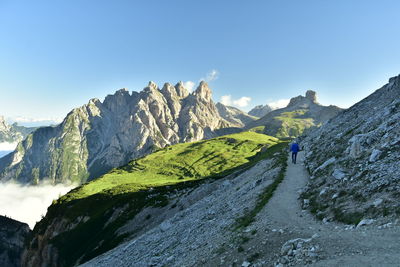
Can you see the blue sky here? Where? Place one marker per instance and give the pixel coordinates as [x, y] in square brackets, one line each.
[56, 55]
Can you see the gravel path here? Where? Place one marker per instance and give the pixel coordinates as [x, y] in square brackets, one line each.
[335, 244]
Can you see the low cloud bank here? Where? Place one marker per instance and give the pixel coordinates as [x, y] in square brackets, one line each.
[5, 146]
[28, 203]
[35, 122]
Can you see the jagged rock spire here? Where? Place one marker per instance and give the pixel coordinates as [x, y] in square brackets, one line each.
[181, 90]
[203, 91]
[312, 95]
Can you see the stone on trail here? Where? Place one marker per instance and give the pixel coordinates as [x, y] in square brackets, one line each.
[365, 222]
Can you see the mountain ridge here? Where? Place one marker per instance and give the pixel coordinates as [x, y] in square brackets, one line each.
[14, 132]
[301, 113]
[99, 136]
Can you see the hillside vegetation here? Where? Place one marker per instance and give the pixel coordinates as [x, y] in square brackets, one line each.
[88, 218]
[302, 113]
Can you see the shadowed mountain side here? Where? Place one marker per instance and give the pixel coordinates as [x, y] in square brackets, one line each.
[12, 241]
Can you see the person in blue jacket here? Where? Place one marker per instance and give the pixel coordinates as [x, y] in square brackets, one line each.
[294, 148]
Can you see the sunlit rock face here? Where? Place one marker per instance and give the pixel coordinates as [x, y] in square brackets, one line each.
[99, 136]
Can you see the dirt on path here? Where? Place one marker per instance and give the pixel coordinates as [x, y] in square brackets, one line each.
[328, 244]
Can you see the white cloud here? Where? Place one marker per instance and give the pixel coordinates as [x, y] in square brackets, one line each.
[211, 76]
[25, 121]
[241, 102]
[28, 203]
[189, 85]
[281, 103]
[226, 100]
[5, 146]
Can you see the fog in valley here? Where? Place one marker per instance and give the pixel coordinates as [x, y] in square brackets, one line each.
[28, 203]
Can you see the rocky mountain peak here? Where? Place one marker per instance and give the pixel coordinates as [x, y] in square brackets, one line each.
[311, 95]
[151, 86]
[203, 91]
[394, 80]
[181, 90]
[103, 135]
[260, 110]
[169, 89]
[304, 101]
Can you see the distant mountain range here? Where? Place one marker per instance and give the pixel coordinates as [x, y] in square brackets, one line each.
[301, 113]
[260, 110]
[13, 133]
[99, 136]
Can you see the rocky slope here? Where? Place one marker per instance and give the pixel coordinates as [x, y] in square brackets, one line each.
[12, 238]
[234, 115]
[13, 133]
[260, 111]
[301, 113]
[354, 160]
[99, 136]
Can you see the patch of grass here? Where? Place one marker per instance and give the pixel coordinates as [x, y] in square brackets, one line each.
[293, 123]
[253, 257]
[359, 197]
[268, 192]
[258, 129]
[317, 206]
[244, 239]
[347, 217]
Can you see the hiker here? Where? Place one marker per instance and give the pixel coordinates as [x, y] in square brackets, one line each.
[294, 148]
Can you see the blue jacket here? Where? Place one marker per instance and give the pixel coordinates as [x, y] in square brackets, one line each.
[294, 148]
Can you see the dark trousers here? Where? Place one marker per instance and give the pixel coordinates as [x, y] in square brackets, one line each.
[294, 157]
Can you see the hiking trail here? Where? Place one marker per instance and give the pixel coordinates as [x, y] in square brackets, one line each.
[338, 244]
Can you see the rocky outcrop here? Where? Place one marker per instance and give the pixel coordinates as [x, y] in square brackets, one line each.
[99, 136]
[12, 240]
[301, 113]
[260, 111]
[353, 160]
[234, 115]
[13, 133]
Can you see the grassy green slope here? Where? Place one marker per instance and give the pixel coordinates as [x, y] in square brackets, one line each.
[178, 163]
[293, 123]
[146, 182]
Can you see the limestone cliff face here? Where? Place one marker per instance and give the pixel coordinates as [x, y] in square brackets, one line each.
[354, 159]
[99, 136]
[301, 113]
[235, 116]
